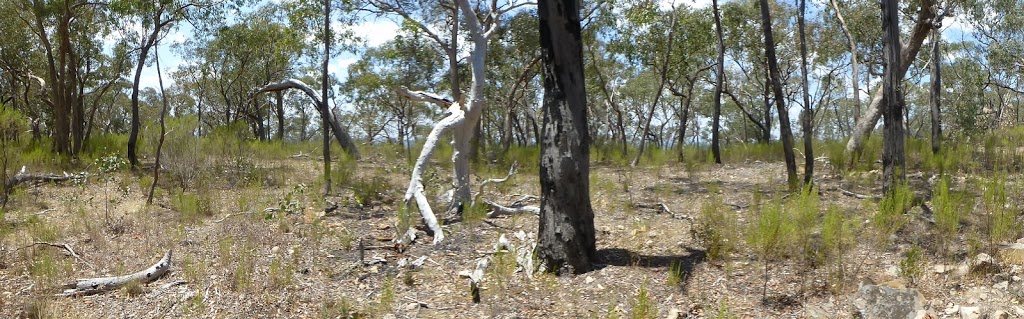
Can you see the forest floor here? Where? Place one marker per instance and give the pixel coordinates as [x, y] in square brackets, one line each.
[239, 259]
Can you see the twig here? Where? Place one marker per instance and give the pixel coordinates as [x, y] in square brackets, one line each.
[66, 247]
[424, 304]
[857, 196]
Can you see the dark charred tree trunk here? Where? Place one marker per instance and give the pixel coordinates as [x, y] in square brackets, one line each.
[893, 165]
[133, 133]
[566, 235]
[324, 111]
[808, 113]
[785, 132]
[719, 75]
[936, 97]
[280, 116]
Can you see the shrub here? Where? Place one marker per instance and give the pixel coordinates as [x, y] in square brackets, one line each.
[890, 215]
[716, 228]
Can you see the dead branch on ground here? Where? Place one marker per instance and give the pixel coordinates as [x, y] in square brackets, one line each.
[92, 286]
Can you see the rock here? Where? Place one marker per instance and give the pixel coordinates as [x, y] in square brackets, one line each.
[983, 263]
[925, 314]
[970, 313]
[955, 270]
[951, 310]
[589, 280]
[817, 312]
[1017, 310]
[412, 306]
[389, 316]
[999, 314]
[874, 301]
[1002, 285]
[892, 271]
[674, 313]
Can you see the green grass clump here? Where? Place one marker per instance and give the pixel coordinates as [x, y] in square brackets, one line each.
[643, 305]
[890, 216]
[716, 228]
[1000, 220]
[192, 207]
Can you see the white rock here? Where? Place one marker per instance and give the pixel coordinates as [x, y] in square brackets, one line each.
[970, 313]
[999, 314]
[951, 310]
[1002, 285]
[589, 280]
[674, 313]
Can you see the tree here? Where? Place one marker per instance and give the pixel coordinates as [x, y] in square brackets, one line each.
[807, 116]
[785, 132]
[719, 77]
[893, 165]
[566, 239]
[908, 52]
[159, 16]
[936, 96]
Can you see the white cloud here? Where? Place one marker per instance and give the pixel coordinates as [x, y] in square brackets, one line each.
[375, 31]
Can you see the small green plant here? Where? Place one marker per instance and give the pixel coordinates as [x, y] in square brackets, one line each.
[373, 189]
[769, 235]
[716, 228]
[340, 308]
[947, 212]
[1000, 219]
[280, 274]
[838, 235]
[192, 207]
[890, 216]
[911, 266]
[386, 299]
[643, 306]
[676, 274]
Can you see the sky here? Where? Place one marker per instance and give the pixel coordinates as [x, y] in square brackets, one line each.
[378, 30]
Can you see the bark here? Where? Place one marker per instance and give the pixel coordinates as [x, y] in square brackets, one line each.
[719, 76]
[893, 166]
[908, 52]
[280, 116]
[415, 191]
[324, 109]
[785, 132]
[340, 132]
[566, 230]
[808, 113]
[24, 177]
[936, 97]
[92, 286]
[854, 61]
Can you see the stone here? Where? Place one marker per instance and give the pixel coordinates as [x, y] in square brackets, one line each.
[983, 263]
[970, 313]
[874, 301]
[951, 310]
[999, 314]
[674, 313]
[817, 312]
[1002, 285]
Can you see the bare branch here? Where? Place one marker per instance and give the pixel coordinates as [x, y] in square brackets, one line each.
[91, 286]
[421, 96]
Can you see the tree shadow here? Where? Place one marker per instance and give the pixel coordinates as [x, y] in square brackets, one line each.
[683, 264]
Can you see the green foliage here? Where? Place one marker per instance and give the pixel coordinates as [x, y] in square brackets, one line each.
[643, 306]
[891, 209]
[948, 210]
[716, 228]
[280, 274]
[838, 236]
[193, 207]
[372, 189]
[386, 299]
[911, 266]
[771, 231]
[1000, 219]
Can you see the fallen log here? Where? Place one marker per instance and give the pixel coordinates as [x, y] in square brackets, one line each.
[23, 177]
[92, 286]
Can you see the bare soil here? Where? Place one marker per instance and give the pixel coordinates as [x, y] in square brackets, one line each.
[298, 262]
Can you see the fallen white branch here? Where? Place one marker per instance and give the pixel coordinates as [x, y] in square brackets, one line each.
[498, 210]
[475, 277]
[421, 96]
[24, 177]
[91, 286]
[415, 191]
[857, 196]
[511, 171]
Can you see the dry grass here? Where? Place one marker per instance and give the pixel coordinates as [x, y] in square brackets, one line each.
[240, 260]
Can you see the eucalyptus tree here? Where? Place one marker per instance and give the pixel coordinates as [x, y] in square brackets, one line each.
[785, 133]
[566, 236]
[926, 17]
[893, 164]
[403, 61]
[719, 79]
[69, 33]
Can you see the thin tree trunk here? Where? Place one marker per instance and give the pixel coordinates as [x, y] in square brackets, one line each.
[785, 132]
[936, 97]
[280, 116]
[893, 166]
[566, 236]
[719, 76]
[163, 129]
[908, 52]
[808, 113]
[324, 110]
[661, 87]
[854, 61]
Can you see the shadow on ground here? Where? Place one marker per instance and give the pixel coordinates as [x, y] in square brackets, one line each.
[684, 263]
